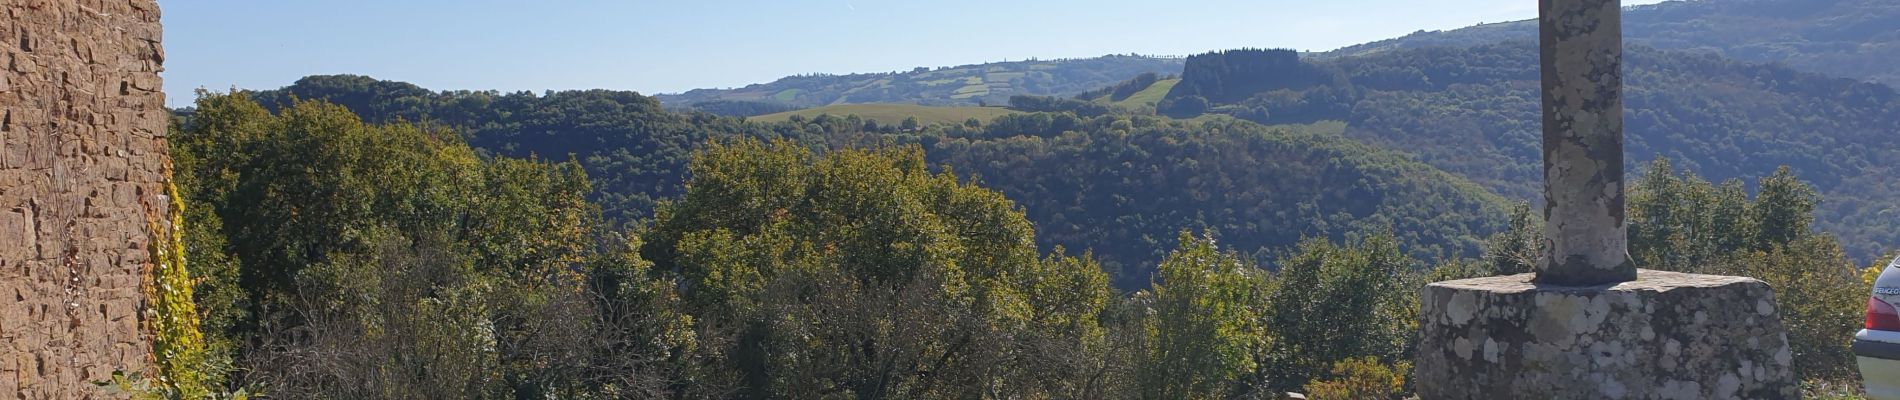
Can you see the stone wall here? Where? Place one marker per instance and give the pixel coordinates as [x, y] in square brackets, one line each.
[82, 155]
[1665, 335]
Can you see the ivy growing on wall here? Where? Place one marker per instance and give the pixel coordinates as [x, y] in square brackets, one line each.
[177, 346]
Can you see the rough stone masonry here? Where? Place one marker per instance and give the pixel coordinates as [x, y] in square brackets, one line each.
[1665, 335]
[1588, 324]
[82, 158]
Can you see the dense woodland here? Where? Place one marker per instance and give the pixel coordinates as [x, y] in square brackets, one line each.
[1231, 76]
[741, 108]
[338, 258]
[635, 150]
[1127, 183]
[1122, 186]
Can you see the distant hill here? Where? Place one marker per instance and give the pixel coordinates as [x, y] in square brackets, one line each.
[991, 83]
[894, 114]
[1473, 111]
[1844, 38]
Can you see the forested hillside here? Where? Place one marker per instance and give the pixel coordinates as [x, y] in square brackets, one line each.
[1233, 225]
[1120, 185]
[902, 116]
[991, 83]
[330, 252]
[1844, 38]
[635, 150]
[332, 257]
[1473, 112]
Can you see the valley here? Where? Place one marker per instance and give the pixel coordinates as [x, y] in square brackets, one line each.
[1245, 222]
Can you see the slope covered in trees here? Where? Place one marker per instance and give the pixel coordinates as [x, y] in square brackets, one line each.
[1233, 75]
[338, 258]
[740, 108]
[1117, 184]
[635, 150]
[1473, 112]
[1843, 38]
[1121, 186]
[332, 252]
[991, 83]
[902, 116]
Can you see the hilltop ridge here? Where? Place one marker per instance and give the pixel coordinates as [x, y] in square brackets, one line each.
[973, 84]
[1844, 38]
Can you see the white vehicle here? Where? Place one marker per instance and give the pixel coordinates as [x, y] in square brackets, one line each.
[1877, 348]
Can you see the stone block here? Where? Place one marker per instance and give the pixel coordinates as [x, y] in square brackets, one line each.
[1665, 335]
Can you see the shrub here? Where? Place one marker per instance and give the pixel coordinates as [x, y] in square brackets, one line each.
[1361, 378]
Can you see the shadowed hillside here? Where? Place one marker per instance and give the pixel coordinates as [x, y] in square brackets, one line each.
[1473, 111]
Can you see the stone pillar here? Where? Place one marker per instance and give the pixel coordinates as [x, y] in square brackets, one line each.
[82, 159]
[1585, 241]
[1588, 324]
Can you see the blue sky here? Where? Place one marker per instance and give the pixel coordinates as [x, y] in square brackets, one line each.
[672, 46]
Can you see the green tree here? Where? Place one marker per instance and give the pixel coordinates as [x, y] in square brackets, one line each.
[203, 160]
[1331, 303]
[1203, 323]
[1783, 208]
[1362, 378]
[1680, 222]
[862, 274]
[338, 251]
[1819, 296]
[1517, 249]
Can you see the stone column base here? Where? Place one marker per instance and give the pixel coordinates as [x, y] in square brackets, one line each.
[1666, 335]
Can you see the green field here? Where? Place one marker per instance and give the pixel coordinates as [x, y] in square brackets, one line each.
[787, 95]
[976, 90]
[1002, 76]
[891, 114]
[1146, 98]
